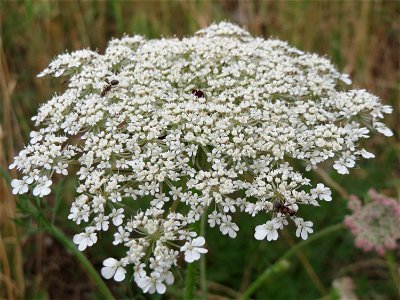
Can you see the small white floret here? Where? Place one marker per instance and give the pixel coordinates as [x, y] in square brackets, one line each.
[85, 239]
[194, 249]
[322, 192]
[268, 230]
[113, 268]
[43, 187]
[303, 228]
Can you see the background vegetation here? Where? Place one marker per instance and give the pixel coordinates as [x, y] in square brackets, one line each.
[361, 37]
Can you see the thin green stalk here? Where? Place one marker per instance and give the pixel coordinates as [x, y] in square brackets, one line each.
[281, 266]
[203, 271]
[190, 285]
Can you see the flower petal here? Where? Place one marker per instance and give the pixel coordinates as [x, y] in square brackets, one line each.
[120, 274]
[107, 272]
[110, 262]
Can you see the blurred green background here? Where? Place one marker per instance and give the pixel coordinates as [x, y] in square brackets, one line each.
[361, 37]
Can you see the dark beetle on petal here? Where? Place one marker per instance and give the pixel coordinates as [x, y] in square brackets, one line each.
[198, 93]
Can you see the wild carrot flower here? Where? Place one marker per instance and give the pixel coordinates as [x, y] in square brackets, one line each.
[209, 125]
[376, 224]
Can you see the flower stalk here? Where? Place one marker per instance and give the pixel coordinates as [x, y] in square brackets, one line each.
[203, 265]
[191, 272]
[190, 285]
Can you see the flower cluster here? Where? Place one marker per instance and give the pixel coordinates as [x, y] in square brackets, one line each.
[375, 225]
[205, 126]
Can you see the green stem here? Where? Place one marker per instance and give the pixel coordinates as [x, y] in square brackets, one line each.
[203, 271]
[174, 205]
[190, 285]
[280, 264]
[85, 263]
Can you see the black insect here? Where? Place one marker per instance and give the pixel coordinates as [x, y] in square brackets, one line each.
[163, 136]
[283, 208]
[198, 93]
[108, 86]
